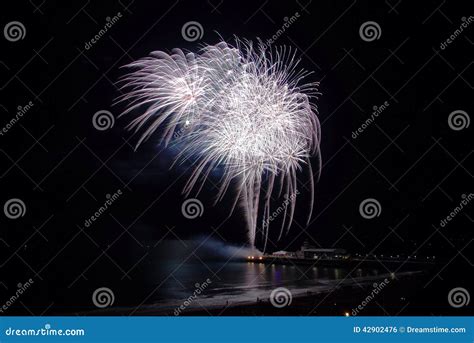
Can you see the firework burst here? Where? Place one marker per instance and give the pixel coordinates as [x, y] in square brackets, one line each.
[244, 108]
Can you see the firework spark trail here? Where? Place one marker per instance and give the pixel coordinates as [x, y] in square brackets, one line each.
[245, 109]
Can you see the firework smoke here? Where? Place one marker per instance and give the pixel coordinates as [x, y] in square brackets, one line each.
[243, 108]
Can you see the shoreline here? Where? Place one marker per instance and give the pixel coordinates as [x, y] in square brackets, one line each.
[333, 299]
[337, 301]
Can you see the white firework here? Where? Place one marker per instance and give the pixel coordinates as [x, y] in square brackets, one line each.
[246, 110]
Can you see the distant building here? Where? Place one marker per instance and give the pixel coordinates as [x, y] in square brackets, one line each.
[283, 253]
[324, 253]
[310, 252]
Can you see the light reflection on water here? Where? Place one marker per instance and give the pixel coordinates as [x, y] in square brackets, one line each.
[245, 281]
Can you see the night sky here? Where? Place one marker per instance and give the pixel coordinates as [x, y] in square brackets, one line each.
[53, 158]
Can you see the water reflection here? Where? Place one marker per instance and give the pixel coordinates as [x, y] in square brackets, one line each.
[243, 281]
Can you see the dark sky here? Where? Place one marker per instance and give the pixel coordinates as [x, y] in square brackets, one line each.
[410, 160]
